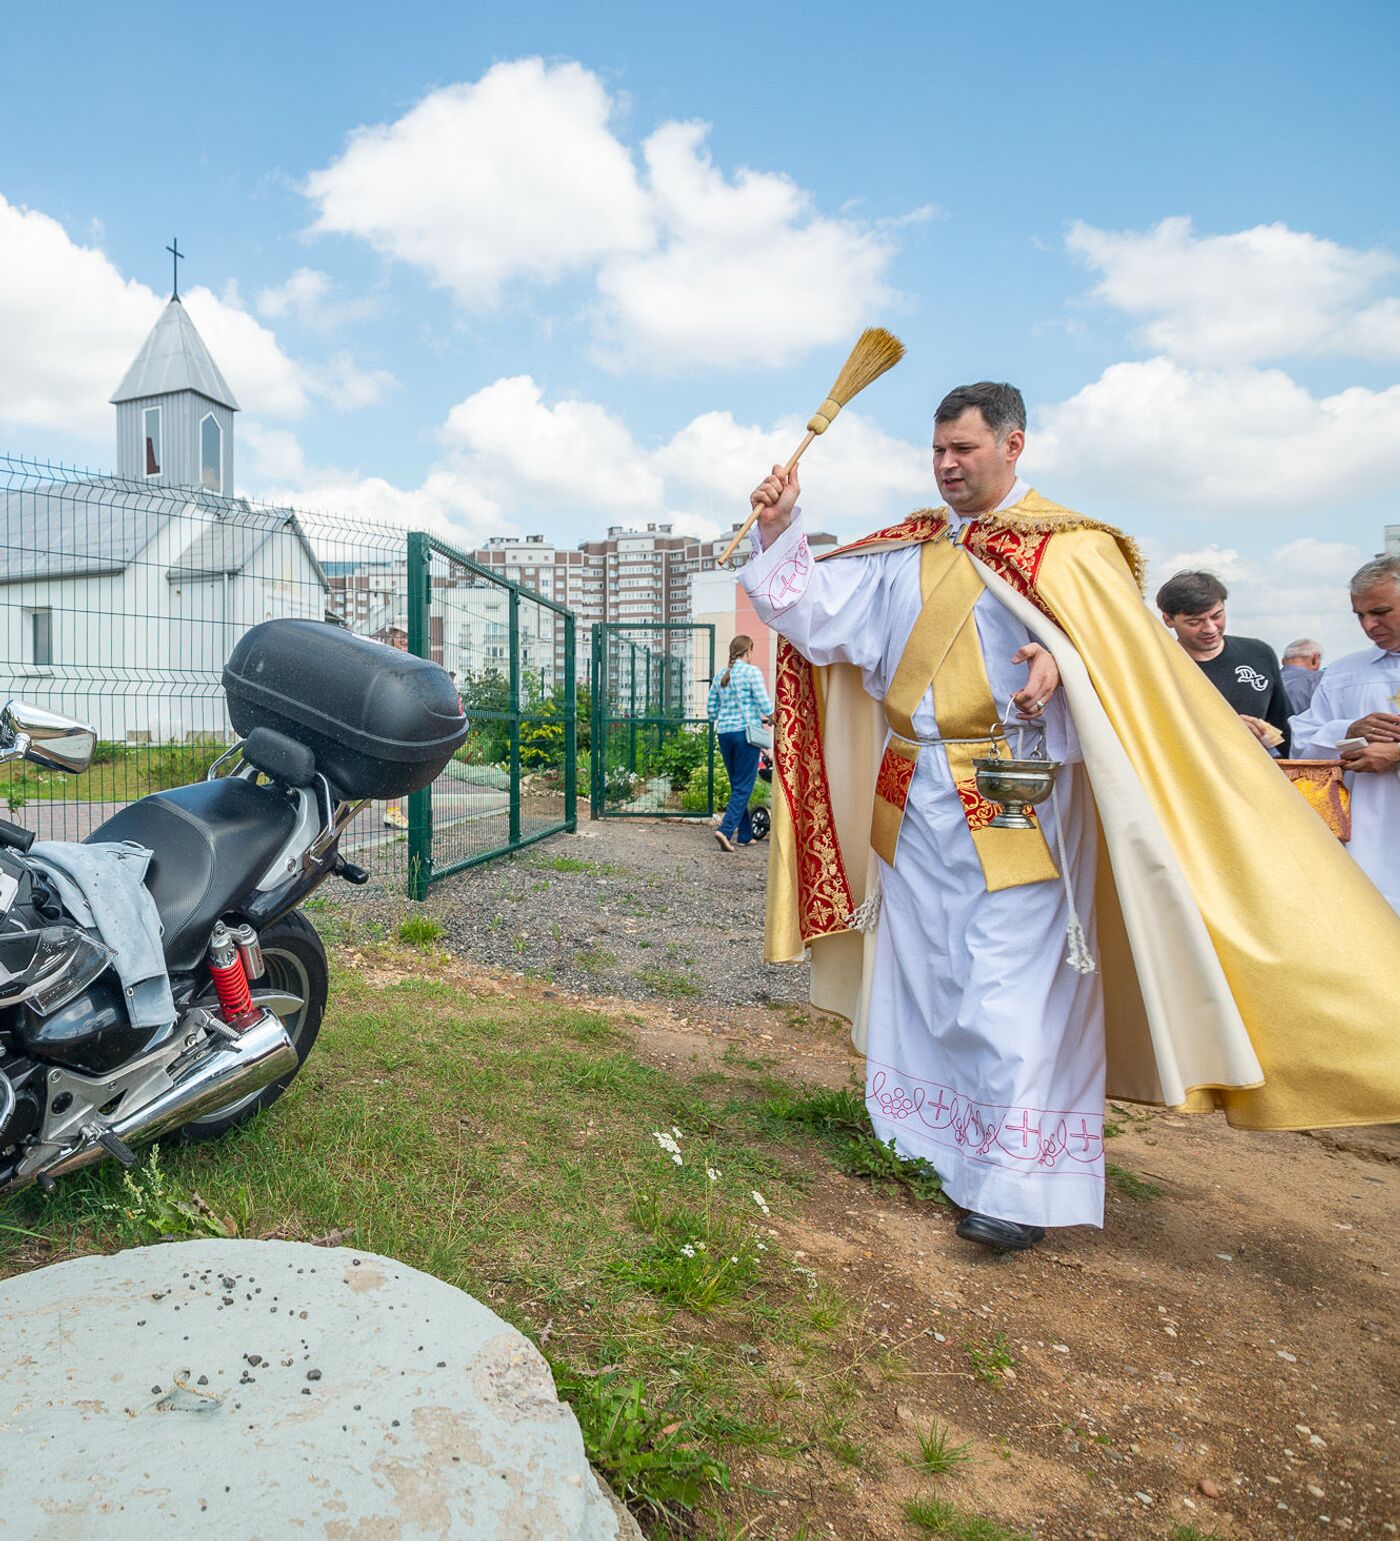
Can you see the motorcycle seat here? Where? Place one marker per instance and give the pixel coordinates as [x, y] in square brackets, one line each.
[212, 842]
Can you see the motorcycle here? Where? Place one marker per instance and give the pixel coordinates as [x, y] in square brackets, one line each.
[327, 721]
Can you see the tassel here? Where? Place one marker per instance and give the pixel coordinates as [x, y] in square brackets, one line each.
[1079, 958]
[866, 916]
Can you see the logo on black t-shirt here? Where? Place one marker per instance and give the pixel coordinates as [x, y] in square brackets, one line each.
[1251, 677]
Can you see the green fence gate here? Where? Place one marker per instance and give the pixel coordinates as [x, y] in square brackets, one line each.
[652, 749]
[511, 653]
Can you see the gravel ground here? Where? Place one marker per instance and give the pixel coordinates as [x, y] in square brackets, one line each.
[635, 907]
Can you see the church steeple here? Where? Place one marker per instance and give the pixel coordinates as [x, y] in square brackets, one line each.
[175, 410]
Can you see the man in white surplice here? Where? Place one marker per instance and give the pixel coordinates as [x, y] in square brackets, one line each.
[1359, 697]
[971, 994]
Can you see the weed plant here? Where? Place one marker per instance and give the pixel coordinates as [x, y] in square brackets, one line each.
[1130, 1183]
[991, 1361]
[937, 1454]
[937, 1517]
[838, 1119]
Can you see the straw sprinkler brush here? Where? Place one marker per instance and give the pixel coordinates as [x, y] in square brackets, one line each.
[876, 350]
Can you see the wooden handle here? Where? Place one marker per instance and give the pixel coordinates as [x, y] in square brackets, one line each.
[754, 512]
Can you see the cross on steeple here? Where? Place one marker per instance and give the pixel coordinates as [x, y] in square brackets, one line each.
[176, 255]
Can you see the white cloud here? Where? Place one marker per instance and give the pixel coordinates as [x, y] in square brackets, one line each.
[72, 324]
[1226, 443]
[519, 176]
[855, 478]
[309, 297]
[348, 387]
[745, 273]
[511, 460]
[1265, 293]
[1295, 590]
[572, 455]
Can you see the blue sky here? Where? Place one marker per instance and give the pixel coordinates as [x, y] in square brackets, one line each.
[537, 297]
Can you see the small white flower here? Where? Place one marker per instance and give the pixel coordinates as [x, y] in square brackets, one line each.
[701, 1245]
[687, 1250]
[713, 1173]
[676, 1157]
[759, 1199]
[733, 1259]
[760, 1246]
[676, 1132]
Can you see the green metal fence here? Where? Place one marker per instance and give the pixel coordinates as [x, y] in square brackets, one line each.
[652, 750]
[120, 601]
[512, 655]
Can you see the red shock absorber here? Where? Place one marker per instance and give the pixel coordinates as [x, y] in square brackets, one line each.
[229, 976]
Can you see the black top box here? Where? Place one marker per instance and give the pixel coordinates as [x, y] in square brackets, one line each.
[380, 722]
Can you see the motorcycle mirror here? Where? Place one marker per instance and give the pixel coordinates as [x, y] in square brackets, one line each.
[53, 740]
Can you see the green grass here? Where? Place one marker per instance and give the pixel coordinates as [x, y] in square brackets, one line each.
[1191, 1533]
[936, 1517]
[419, 930]
[533, 1179]
[937, 1454]
[1130, 1183]
[667, 981]
[839, 1121]
[991, 1361]
[575, 864]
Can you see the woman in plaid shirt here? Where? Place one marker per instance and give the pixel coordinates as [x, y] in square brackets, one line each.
[738, 701]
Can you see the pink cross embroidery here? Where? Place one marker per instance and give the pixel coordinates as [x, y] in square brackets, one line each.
[940, 1106]
[1082, 1133]
[788, 579]
[1025, 1129]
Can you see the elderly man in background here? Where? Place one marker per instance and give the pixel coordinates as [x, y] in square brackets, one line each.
[1302, 669]
[1359, 698]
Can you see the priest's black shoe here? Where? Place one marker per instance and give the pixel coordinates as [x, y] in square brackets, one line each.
[1004, 1235]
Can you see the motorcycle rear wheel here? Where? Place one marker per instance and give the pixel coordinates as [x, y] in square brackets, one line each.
[296, 965]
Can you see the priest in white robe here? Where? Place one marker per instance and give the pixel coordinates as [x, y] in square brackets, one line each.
[973, 995]
[980, 1040]
[1359, 697]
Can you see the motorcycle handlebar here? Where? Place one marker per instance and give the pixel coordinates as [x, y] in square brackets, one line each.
[16, 836]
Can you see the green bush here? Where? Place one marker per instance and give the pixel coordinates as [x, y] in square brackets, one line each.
[681, 753]
[694, 795]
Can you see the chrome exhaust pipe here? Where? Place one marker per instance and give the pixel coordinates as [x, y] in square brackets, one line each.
[218, 1077]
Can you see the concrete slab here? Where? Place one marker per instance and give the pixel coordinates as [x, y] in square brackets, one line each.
[266, 1389]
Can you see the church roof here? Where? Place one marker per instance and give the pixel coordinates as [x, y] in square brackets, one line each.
[100, 525]
[174, 358]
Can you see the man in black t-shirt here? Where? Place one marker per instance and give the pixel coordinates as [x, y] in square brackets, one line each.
[1243, 669]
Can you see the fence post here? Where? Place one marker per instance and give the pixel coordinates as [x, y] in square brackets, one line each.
[597, 733]
[711, 726]
[420, 804]
[515, 717]
[570, 728]
[632, 706]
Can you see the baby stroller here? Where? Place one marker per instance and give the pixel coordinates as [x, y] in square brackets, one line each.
[759, 817]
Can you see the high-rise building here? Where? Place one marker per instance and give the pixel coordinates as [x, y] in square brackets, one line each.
[640, 575]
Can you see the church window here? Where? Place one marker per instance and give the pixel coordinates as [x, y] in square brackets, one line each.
[41, 637]
[211, 454]
[150, 428]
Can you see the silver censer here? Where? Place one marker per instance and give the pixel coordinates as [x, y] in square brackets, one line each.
[1016, 783]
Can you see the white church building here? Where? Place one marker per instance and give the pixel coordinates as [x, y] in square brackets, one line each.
[121, 596]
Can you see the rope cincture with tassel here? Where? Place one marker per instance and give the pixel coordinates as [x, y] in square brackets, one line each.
[876, 350]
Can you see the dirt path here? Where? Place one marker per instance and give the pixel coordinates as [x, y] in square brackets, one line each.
[1222, 1355]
